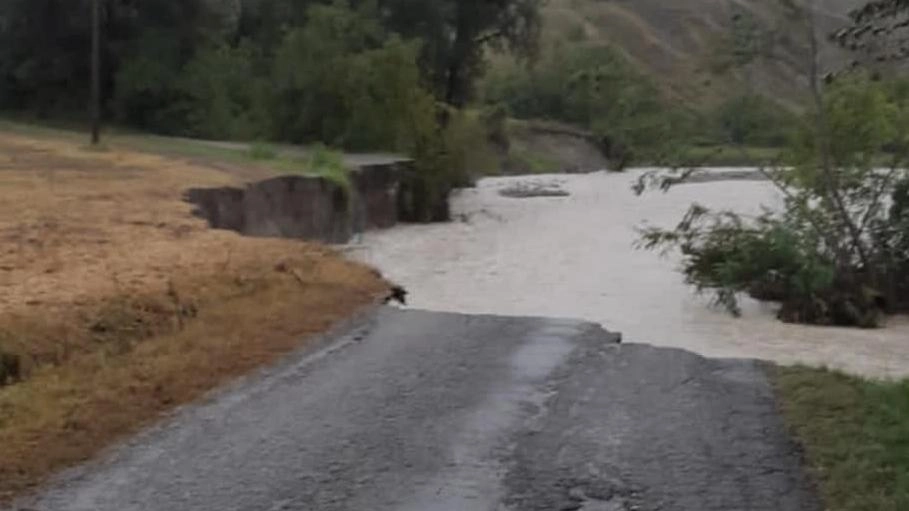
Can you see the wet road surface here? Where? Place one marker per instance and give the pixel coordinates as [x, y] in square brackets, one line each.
[422, 411]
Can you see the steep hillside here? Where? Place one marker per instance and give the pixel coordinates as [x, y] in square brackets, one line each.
[678, 41]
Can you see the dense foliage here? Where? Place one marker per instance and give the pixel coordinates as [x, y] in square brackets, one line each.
[750, 120]
[342, 72]
[596, 88]
[354, 74]
[181, 66]
[838, 251]
[592, 87]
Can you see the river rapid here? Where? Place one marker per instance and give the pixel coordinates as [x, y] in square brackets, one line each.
[574, 256]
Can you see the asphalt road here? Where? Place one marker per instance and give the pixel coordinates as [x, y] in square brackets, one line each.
[422, 411]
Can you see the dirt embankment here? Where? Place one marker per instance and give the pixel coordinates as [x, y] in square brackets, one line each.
[306, 207]
[117, 304]
[536, 147]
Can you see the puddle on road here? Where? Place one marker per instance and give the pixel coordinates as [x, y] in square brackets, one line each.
[573, 257]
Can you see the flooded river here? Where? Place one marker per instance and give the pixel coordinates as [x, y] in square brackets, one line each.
[574, 257]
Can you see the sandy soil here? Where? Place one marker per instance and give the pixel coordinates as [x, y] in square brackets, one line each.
[574, 257]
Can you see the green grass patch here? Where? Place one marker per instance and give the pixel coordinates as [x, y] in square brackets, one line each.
[329, 164]
[855, 433]
[262, 151]
[184, 147]
[43, 131]
[318, 161]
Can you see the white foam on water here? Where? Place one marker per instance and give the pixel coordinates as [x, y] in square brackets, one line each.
[575, 257]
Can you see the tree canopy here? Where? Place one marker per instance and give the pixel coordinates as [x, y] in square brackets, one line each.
[188, 66]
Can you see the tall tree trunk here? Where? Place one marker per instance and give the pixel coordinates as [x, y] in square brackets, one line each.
[822, 126]
[455, 93]
[96, 72]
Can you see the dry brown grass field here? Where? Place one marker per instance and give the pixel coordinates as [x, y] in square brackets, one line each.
[116, 304]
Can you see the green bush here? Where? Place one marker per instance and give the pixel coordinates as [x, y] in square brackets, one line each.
[837, 253]
[328, 163]
[342, 80]
[262, 151]
[753, 120]
[495, 122]
[224, 94]
[768, 259]
[467, 151]
[446, 154]
[218, 93]
[549, 89]
[593, 87]
[146, 90]
[316, 74]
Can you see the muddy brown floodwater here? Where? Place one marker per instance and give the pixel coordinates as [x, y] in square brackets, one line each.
[574, 257]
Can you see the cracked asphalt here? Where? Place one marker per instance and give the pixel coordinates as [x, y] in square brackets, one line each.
[422, 411]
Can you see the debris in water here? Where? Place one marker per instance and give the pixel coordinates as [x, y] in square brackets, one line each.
[530, 190]
[397, 294]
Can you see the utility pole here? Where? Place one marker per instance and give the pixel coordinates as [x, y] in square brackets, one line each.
[96, 72]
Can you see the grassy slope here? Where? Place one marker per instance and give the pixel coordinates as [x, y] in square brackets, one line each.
[676, 43]
[855, 434]
[249, 161]
[674, 40]
[120, 305]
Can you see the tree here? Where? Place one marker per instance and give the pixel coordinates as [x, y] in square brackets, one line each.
[266, 22]
[44, 55]
[747, 42]
[836, 253]
[151, 44]
[752, 119]
[46, 49]
[317, 73]
[456, 34]
[478, 23]
[223, 94]
[96, 72]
